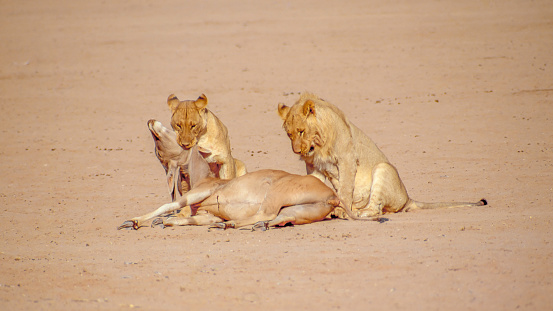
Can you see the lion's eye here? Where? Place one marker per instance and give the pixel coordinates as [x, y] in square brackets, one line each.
[192, 126]
[300, 132]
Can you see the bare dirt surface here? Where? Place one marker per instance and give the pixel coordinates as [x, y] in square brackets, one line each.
[458, 95]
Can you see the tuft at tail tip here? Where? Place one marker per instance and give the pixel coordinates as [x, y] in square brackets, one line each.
[483, 202]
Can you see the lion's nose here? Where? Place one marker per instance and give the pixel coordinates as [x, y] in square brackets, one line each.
[187, 145]
[183, 144]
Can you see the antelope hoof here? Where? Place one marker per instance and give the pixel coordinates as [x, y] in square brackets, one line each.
[158, 222]
[129, 224]
[221, 225]
[261, 225]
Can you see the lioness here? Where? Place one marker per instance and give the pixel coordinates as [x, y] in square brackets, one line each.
[196, 125]
[264, 198]
[332, 147]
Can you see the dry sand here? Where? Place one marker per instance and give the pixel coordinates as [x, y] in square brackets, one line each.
[458, 95]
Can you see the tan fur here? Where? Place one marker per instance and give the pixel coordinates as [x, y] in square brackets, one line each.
[183, 168]
[195, 125]
[333, 148]
[265, 198]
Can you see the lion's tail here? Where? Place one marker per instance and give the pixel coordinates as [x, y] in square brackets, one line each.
[412, 204]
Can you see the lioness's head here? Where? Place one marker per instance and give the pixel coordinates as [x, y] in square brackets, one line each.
[301, 125]
[188, 119]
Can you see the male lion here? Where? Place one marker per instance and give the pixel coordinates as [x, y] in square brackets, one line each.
[196, 125]
[332, 147]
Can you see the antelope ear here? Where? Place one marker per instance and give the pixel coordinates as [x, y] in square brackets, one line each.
[283, 111]
[308, 108]
[173, 102]
[201, 102]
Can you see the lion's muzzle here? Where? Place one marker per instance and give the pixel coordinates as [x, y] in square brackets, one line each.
[187, 144]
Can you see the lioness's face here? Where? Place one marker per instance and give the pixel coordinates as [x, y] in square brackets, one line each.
[188, 119]
[301, 129]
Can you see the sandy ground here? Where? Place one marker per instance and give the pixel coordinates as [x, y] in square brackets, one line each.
[458, 95]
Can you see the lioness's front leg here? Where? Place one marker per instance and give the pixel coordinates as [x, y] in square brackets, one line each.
[228, 169]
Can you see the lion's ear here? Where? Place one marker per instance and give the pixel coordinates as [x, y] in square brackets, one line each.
[309, 108]
[283, 111]
[201, 102]
[173, 102]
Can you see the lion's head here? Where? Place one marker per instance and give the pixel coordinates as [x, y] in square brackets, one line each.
[188, 119]
[302, 127]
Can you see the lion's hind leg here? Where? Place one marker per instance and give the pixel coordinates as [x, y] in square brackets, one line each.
[388, 194]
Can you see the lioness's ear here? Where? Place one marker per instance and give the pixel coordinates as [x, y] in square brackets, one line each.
[173, 102]
[201, 102]
[283, 111]
[308, 108]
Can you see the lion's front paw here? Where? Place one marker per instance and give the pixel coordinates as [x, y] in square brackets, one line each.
[365, 213]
